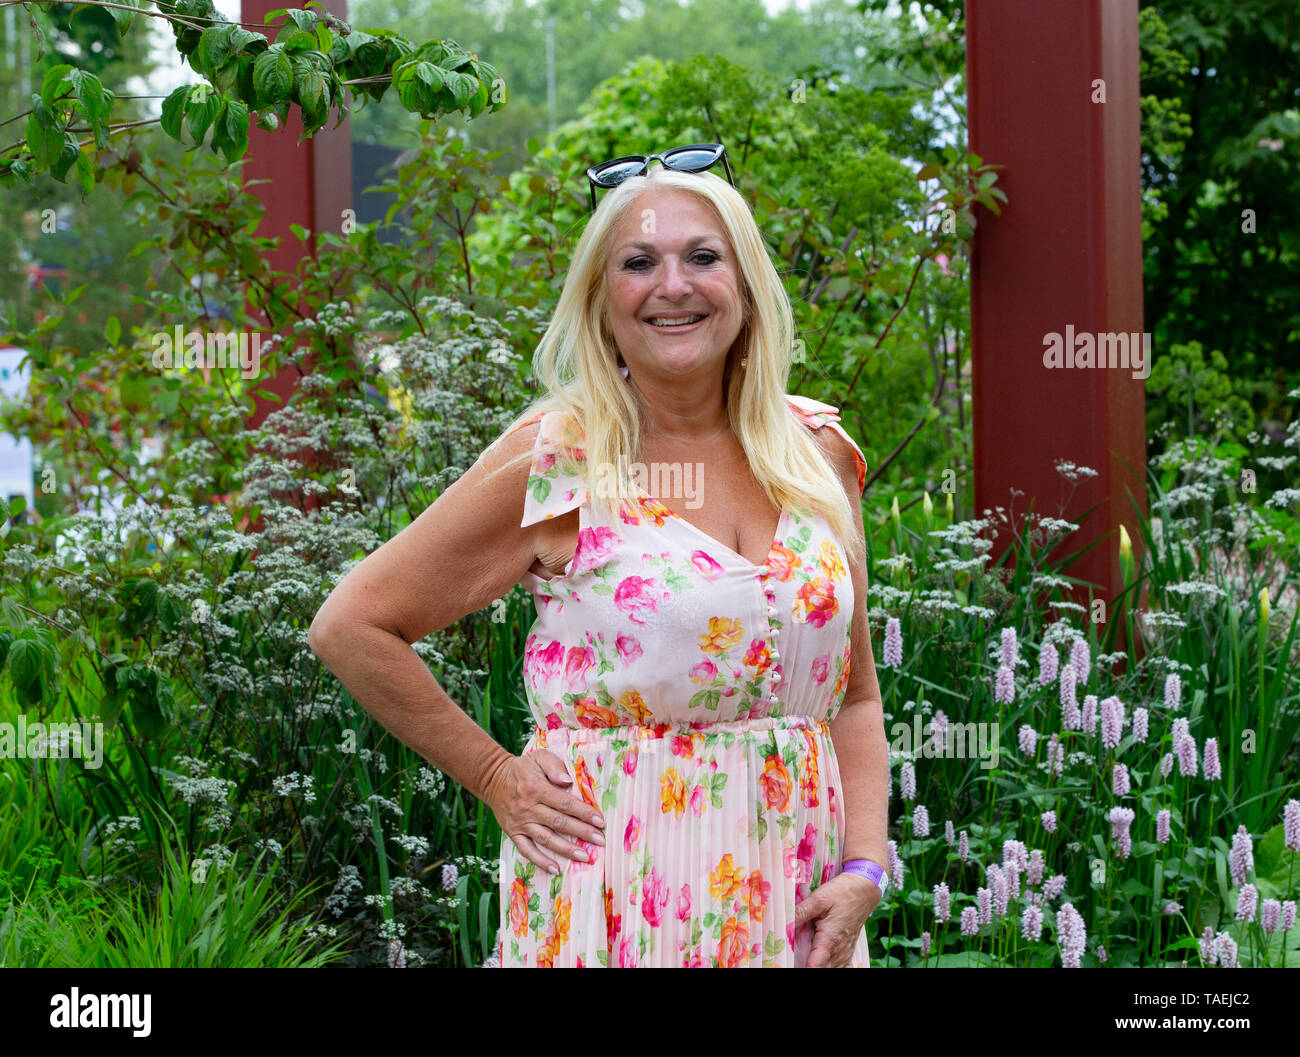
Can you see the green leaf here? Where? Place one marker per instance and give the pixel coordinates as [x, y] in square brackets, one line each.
[200, 116]
[123, 18]
[45, 141]
[85, 172]
[173, 111]
[928, 172]
[52, 81]
[272, 76]
[214, 48]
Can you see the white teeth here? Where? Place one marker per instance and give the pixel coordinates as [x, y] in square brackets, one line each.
[657, 322]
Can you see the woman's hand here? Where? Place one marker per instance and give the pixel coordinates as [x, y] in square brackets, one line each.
[536, 814]
[837, 911]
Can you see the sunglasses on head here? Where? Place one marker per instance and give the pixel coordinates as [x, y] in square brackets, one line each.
[694, 157]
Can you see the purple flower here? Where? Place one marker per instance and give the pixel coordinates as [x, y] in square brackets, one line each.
[1288, 914]
[1011, 874]
[1048, 662]
[1081, 661]
[1049, 821]
[1241, 860]
[894, 865]
[1140, 717]
[925, 944]
[1166, 764]
[1112, 722]
[968, 924]
[1016, 852]
[1227, 950]
[1070, 935]
[941, 902]
[1101, 954]
[1120, 820]
[1031, 923]
[1010, 649]
[1270, 916]
[1171, 908]
[1088, 722]
[1291, 824]
[963, 846]
[1004, 686]
[1055, 755]
[1209, 947]
[1186, 749]
[907, 781]
[1034, 873]
[1028, 739]
[1071, 720]
[984, 900]
[1247, 903]
[893, 653]
[1163, 817]
[1000, 889]
[920, 821]
[1173, 691]
[1119, 780]
[1211, 760]
[948, 834]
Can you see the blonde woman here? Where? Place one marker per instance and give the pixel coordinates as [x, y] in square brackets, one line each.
[706, 783]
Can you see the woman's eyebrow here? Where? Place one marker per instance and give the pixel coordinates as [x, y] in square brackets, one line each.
[648, 246]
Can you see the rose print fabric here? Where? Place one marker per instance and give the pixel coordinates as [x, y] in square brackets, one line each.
[689, 692]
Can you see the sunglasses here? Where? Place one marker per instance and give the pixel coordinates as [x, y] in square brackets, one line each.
[695, 157]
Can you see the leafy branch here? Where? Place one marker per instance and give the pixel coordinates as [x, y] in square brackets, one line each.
[311, 60]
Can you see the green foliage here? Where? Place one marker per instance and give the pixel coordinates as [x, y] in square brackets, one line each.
[312, 59]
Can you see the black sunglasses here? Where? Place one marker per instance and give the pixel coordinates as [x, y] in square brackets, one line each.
[695, 157]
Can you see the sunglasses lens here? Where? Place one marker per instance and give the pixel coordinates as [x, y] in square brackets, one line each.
[691, 159]
[614, 174]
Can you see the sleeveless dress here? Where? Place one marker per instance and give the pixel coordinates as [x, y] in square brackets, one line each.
[689, 692]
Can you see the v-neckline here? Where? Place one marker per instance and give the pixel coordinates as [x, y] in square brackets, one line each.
[776, 539]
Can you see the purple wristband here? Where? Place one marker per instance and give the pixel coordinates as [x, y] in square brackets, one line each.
[872, 871]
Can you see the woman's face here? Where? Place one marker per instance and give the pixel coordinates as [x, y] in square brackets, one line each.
[671, 260]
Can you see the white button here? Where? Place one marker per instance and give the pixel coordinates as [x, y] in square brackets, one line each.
[776, 631]
[774, 699]
[776, 657]
[776, 679]
[771, 611]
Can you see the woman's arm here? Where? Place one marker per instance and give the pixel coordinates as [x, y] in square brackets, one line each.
[858, 729]
[459, 555]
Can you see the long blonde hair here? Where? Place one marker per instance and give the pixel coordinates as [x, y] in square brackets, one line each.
[576, 362]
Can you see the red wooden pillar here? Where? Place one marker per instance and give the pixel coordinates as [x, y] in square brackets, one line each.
[309, 184]
[1065, 253]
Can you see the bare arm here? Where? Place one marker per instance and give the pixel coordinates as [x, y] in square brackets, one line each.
[466, 550]
[858, 729]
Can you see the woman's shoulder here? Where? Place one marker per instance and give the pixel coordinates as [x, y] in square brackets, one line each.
[817, 416]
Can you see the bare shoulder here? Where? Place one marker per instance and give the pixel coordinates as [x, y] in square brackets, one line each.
[840, 453]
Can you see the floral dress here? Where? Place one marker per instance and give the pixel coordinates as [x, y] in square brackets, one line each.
[689, 693]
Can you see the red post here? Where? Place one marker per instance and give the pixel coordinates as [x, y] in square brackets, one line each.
[310, 184]
[1053, 95]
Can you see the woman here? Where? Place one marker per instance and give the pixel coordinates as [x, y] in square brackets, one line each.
[684, 798]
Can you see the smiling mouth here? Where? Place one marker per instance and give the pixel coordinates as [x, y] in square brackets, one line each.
[685, 322]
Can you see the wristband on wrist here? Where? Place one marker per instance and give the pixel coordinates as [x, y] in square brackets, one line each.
[872, 871]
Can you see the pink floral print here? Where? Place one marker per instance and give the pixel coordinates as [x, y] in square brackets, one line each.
[690, 693]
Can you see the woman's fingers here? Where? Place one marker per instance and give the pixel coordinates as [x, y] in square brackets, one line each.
[530, 851]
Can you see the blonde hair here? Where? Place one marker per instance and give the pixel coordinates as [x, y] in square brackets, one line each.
[576, 362]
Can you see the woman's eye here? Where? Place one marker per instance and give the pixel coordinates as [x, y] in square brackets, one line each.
[704, 257]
